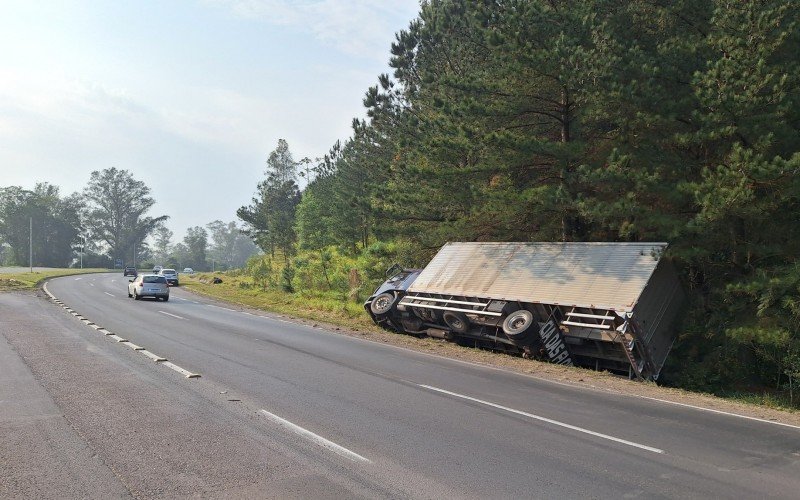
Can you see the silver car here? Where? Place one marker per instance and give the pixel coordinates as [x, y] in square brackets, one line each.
[148, 285]
[170, 275]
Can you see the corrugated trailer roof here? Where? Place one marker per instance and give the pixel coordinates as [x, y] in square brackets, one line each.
[596, 275]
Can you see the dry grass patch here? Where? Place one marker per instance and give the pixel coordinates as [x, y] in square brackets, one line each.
[29, 281]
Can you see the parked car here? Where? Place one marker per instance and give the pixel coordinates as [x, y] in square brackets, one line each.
[148, 285]
[157, 269]
[130, 271]
[188, 270]
[170, 275]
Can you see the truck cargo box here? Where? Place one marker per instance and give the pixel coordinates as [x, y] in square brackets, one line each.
[602, 305]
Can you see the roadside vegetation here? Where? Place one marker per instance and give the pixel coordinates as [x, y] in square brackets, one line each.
[31, 280]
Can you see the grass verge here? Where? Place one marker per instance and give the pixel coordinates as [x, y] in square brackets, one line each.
[242, 291]
[29, 281]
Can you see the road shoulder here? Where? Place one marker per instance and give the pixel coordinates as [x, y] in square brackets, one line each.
[42, 456]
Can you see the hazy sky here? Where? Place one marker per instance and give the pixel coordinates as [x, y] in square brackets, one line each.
[188, 95]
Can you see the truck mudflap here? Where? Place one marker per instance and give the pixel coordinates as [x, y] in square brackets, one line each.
[553, 343]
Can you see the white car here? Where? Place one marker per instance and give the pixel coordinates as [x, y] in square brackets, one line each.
[148, 285]
[170, 275]
[188, 270]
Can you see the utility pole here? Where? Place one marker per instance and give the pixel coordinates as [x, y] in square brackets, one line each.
[30, 248]
[83, 243]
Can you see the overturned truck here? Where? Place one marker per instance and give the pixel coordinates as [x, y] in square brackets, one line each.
[607, 306]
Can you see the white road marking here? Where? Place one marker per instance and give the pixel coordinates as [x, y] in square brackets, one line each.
[109, 294]
[154, 357]
[315, 438]
[113, 281]
[76, 279]
[544, 419]
[173, 315]
[224, 308]
[185, 373]
[718, 411]
[91, 284]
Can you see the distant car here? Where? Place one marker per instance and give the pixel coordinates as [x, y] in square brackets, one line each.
[188, 270]
[157, 269]
[130, 271]
[170, 275]
[148, 285]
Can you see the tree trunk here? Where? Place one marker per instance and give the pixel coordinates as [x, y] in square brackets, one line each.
[566, 224]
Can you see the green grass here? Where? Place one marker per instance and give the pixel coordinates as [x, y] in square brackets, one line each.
[29, 281]
[313, 306]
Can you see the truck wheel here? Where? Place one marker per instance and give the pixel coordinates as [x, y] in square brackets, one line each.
[382, 304]
[457, 321]
[517, 322]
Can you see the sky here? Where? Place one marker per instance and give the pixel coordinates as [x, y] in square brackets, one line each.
[190, 96]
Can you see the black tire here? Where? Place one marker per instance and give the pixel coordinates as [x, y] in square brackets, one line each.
[129, 295]
[166, 298]
[136, 295]
[382, 304]
[517, 323]
[456, 321]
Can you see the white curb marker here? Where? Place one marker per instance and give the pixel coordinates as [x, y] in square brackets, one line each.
[154, 357]
[185, 373]
[544, 419]
[315, 438]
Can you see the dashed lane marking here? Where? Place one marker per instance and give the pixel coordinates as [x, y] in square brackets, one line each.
[173, 315]
[544, 419]
[109, 294]
[315, 438]
[154, 357]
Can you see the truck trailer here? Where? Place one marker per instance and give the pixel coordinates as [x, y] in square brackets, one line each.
[606, 306]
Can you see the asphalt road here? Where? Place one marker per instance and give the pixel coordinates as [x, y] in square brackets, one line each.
[288, 410]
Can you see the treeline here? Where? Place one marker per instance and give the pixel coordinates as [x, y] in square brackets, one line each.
[219, 246]
[585, 120]
[107, 225]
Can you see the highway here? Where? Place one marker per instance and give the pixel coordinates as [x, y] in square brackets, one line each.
[283, 409]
